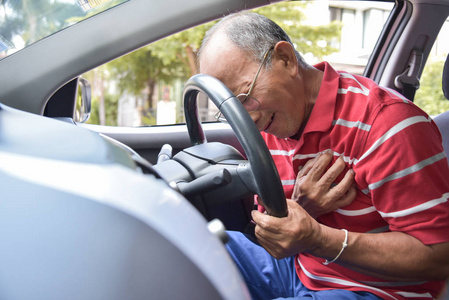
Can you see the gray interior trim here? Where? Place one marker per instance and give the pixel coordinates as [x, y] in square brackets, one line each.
[156, 136]
[414, 35]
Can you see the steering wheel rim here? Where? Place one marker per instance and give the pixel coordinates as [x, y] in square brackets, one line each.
[266, 177]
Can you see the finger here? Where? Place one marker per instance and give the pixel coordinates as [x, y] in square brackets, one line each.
[341, 188]
[266, 243]
[348, 197]
[266, 222]
[320, 165]
[308, 166]
[302, 177]
[332, 173]
[258, 218]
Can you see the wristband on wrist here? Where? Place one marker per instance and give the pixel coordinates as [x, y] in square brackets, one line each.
[344, 245]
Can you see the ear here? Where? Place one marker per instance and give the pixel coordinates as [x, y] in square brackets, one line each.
[284, 53]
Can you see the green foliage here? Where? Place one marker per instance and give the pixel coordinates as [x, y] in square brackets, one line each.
[30, 18]
[148, 120]
[174, 57]
[111, 107]
[157, 61]
[132, 71]
[181, 47]
[307, 38]
[111, 110]
[429, 96]
[94, 117]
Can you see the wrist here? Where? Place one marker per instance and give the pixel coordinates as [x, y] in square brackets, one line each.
[330, 243]
[321, 240]
[343, 247]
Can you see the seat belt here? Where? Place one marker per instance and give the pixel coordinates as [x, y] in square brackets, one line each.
[408, 81]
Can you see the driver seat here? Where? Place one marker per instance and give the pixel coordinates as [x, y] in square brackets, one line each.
[442, 121]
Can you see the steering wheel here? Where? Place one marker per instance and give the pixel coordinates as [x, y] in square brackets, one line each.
[265, 178]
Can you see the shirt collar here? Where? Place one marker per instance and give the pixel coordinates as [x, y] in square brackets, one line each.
[323, 111]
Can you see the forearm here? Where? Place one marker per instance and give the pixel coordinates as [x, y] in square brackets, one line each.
[391, 256]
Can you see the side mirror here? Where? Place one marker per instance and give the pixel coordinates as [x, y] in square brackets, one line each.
[72, 100]
[83, 101]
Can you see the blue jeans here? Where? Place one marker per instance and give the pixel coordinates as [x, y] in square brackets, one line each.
[270, 278]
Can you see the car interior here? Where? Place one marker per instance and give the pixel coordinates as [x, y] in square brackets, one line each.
[102, 212]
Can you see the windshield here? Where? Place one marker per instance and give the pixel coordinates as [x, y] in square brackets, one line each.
[24, 22]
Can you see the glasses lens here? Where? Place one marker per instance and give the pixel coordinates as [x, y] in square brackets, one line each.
[249, 103]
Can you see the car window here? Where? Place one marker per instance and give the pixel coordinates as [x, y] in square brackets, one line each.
[25, 22]
[145, 88]
[429, 96]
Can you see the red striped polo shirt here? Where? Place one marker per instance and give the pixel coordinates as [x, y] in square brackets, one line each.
[401, 174]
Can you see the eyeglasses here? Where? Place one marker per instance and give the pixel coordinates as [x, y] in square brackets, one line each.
[249, 103]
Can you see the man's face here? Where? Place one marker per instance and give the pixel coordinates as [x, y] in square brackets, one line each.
[281, 109]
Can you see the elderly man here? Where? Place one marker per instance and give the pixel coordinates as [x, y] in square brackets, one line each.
[392, 241]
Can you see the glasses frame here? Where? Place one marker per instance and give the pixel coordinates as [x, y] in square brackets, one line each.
[244, 96]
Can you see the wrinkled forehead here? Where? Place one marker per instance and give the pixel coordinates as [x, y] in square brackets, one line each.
[218, 49]
[225, 61]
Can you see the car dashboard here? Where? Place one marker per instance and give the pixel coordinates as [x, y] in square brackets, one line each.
[78, 221]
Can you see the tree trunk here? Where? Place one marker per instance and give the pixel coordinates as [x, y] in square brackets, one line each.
[102, 109]
[99, 91]
[151, 83]
[191, 57]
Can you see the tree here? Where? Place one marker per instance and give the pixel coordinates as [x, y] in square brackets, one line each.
[135, 72]
[167, 60]
[30, 20]
[307, 38]
[175, 57]
[182, 47]
[430, 95]
[290, 16]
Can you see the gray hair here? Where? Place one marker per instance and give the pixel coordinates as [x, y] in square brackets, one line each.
[253, 33]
